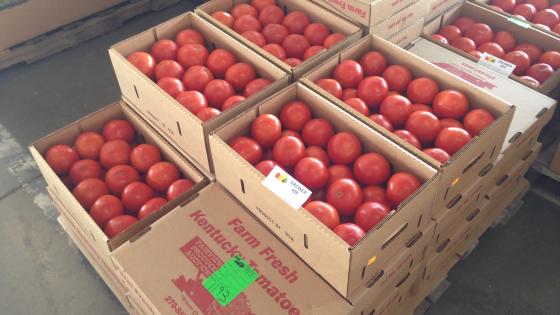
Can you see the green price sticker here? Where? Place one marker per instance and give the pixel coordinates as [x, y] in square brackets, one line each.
[230, 280]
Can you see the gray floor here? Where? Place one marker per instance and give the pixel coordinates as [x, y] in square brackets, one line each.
[514, 271]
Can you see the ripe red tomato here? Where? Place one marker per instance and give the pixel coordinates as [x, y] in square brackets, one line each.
[371, 169]
[520, 60]
[207, 113]
[232, 101]
[349, 232]
[476, 120]
[556, 28]
[421, 108]
[135, 195]
[463, 23]
[224, 18]
[348, 73]
[89, 190]
[450, 103]
[492, 49]
[408, 137]
[316, 33]
[452, 139]
[373, 63]
[161, 175]
[255, 38]
[287, 151]
[396, 108]
[526, 10]
[239, 75]
[530, 81]
[317, 132]
[330, 85]
[400, 186]
[88, 144]
[291, 133]
[540, 72]
[243, 9]
[196, 78]
[217, 91]
[437, 154]
[118, 177]
[480, 33]
[311, 172]
[193, 101]
[506, 5]
[248, 148]
[533, 51]
[61, 157]
[440, 39]
[338, 171]
[349, 93]
[539, 4]
[271, 14]
[372, 90]
[295, 115]
[312, 51]
[359, 105]
[505, 40]
[164, 49]
[556, 7]
[255, 86]
[318, 153]
[191, 55]
[144, 62]
[424, 125]
[118, 129]
[398, 77]
[219, 61]
[266, 166]
[551, 57]
[105, 208]
[450, 32]
[84, 169]
[333, 39]
[543, 27]
[114, 152]
[345, 195]
[296, 22]
[464, 43]
[260, 4]
[477, 54]
[151, 206]
[449, 122]
[382, 121]
[275, 33]
[422, 90]
[324, 212]
[266, 129]
[318, 195]
[295, 45]
[119, 224]
[344, 148]
[169, 68]
[292, 62]
[178, 187]
[546, 17]
[171, 86]
[375, 194]
[275, 50]
[143, 156]
[369, 214]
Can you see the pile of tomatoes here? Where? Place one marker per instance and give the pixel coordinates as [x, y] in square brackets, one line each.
[540, 12]
[531, 63]
[116, 180]
[206, 83]
[352, 190]
[439, 122]
[292, 38]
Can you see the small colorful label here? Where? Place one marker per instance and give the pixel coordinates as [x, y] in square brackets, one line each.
[492, 62]
[286, 187]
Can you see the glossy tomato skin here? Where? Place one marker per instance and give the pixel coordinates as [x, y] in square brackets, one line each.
[448, 122]
[506, 5]
[219, 61]
[217, 91]
[260, 4]
[316, 33]
[114, 152]
[338, 171]
[349, 232]
[422, 90]
[119, 224]
[382, 121]
[463, 23]
[105, 208]
[375, 194]
[135, 195]
[287, 151]
[318, 153]
[464, 43]
[551, 57]
[246, 23]
[89, 190]
[452, 139]
[408, 137]
[359, 105]
[349, 93]
[207, 113]
[332, 86]
[255, 38]
[144, 62]
[311, 172]
[196, 78]
[266, 129]
[271, 14]
[344, 148]
[480, 33]
[266, 166]
[533, 51]
[118, 177]
[171, 86]
[369, 214]
[345, 195]
[295, 45]
[169, 68]
[118, 129]
[333, 39]
[275, 33]
[296, 22]
[400, 186]
[151, 206]
[255, 86]
[531, 81]
[440, 39]
[276, 50]
[348, 73]
[191, 55]
[224, 18]
[248, 148]
[232, 101]
[317, 132]
[450, 104]
[546, 17]
[492, 49]
[450, 32]
[161, 175]
[312, 51]
[476, 120]
[372, 90]
[505, 40]
[295, 115]
[61, 157]
[396, 108]
[239, 75]
[243, 9]
[190, 36]
[84, 169]
[421, 108]
[371, 169]
[437, 154]
[540, 72]
[178, 187]
[398, 77]
[424, 125]
[143, 156]
[539, 4]
[373, 63]
[526, 10]
[193, 101]
[324, 212]
[88, 144]
[521, 61]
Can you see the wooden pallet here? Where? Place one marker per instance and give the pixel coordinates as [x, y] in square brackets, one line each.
[433, 297]
[78, 32]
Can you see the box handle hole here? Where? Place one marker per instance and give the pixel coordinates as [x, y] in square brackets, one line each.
[502, 180]
[305, 241]
[442, 246]
[414, 239]
[403, 280]
[454, 201]
[473, 163]
[527, 156]
[375, 278]
[394, 236]
[486, 170]
[136, 91]
[514, 137]
[473, 215]
[179, 129]
[242, 186]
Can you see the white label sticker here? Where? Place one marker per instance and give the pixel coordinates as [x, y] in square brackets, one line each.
[286, 187]
[501, 66]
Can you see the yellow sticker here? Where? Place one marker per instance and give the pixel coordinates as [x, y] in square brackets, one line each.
[372, 260]
[455, 182]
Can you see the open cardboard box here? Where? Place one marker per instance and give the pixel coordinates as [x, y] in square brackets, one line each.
[402, 19]
[181, 127]
[499, 22]
[95, 122]
[316, 13]
[467, 165]
[437, 7]
[349, 269]
[407, 35]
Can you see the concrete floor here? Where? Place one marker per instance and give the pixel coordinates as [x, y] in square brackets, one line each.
[514, 271]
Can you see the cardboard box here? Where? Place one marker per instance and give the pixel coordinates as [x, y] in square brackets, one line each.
[348, 269]
[316, 13]
[555, 163]
[42, 16]
[401, 19]
[397, 299]
[407, 35]
[71, 206]
[500, 22]
[437, 7]
[465, 166]
[181, 127]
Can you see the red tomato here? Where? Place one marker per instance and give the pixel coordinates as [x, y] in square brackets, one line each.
[533, 51]
[450, 32]
[246, 23]
[382, 121]
[552, 58]
[540, 72]
[193, 101]
[339, 172]
[260, 4]
[118, 129]
[437, 154]
[476, 120]
[191, 36]
[61, 157]
[275, 50]
[344, 148]
[135, 195]
[207, 113]
[505, 40]
[217, 91]
[266, 129]
[171, 86]
[114, 152]
[296, 22]
[408, 137]
[169, 68]
[526, 10]
[119, 224]
[224, 18]
[520, 60]
[400, 186]
[539, 4]
[239, 75]
[255, 86]
[421, 108]
[371, 169]
[480, 33]
[324, 212]
[287, 151]
[318, 153]
[349, 93]
[350, 233]
[232, 101]
[266, 166]
[118, 177]
[105, 208]
[295, 115]
[318, 195]
[88, 191]
[398, 77]
[143, 62]
[463, 23]
[424, 125]
[345, 195]
[464, 43]
[348, 73]
[543, 27]
[311, 172]
[359, 105]
[84, 169]
[312, 51]
[255, 38]
[492, 49]
[369, 214]
[196, 78]
[396, 108]
[452, 139]
[161, 175]
[316, 33]
[317, 132]
[330, 85]
[450, 104]
[191, 55]
[164, 49]
[151, 206]
[271, 14]
[506, 5]
[440, 39]
[333, 39]
[448, 122]
[372, 90]
[375, 194]
[477, 54]
[275, 33]
[293, 62]
[546, 17]
[178, 187]
[243, 9]
[556, 28]
[219, 61]
[248, 148]
[143, 156]
[295, 45]
[88, 144]
[373, 63]
[556, 7]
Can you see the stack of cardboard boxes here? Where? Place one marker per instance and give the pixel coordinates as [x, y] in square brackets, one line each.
[158, 266]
